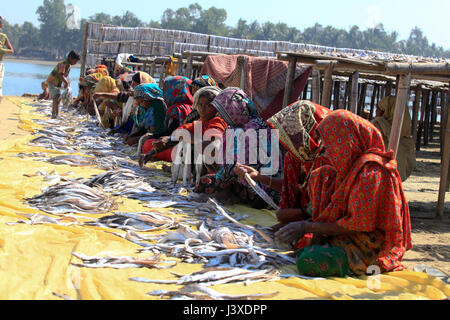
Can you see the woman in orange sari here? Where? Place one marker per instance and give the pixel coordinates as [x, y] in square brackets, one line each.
[360, 214]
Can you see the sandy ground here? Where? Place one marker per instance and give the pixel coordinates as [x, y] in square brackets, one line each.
[431, 236]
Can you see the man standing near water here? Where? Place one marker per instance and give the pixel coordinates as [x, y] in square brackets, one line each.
[58, 77]
[5, 48]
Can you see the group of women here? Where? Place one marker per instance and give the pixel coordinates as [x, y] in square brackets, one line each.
[340, 194]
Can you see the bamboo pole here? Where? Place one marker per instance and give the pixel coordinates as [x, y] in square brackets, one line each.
[445, 164]
[354, 93]
[443, 117]
[426, 125]
[400, 105]
[416, 106]
[315, 94]
[347, 94]
[433, 116]
[327, 86]
[422, 119]
[373, 100]
[362, 99]
[305, 91]
[287, 99]
[189, 66]
[84, 50]
[336, 95]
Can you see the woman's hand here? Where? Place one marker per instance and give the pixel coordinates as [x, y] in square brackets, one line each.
[292, 232]
[240, 170]
[289, 215]
[161, 143]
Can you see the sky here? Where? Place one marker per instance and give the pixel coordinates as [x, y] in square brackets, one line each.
[430, 16]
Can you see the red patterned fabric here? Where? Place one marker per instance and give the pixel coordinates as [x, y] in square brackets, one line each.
[265, 79]
[361, 190]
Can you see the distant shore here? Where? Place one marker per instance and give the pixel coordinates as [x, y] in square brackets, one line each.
[33, 61]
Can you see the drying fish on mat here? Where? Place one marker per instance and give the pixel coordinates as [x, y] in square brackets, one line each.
[62, 296]
[32, 155]
[208, 294]
[139, 221]
[72, 160]
[123, 262]
[216, 276]
[260, 191]
[42, 219]
[72, 197]
[222, 211]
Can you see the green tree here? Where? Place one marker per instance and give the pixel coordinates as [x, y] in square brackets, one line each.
[52, 16]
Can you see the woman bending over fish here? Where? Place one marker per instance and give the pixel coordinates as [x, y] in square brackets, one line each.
[360, 217]
[297, 132]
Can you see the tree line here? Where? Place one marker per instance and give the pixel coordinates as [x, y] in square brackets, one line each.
[53, 39]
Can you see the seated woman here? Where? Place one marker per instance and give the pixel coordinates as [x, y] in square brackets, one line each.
[406, 156]
[124, 95]
[297, 132]
[360, 214]
[87, 87]
[149, 114]
[179, 101]
[45, 95]
[209, 119]
[197, 84]
[110, 110]
[237, 109]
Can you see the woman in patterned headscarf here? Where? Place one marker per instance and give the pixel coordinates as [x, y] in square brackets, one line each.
[149, 114]
[110, 110]
[358, 204]
[197, 84]
[297, 132]
[239, 112]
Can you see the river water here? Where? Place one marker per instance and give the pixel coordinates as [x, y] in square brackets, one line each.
[26, 77]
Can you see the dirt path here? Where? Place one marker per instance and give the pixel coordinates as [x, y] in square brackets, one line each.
[431, 236]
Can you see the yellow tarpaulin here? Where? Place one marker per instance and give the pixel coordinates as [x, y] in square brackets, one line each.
[36, 260]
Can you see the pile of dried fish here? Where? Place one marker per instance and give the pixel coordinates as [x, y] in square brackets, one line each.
[72, 197]
[135, 221]
[123, 262]
[188, 292]
[217, 276]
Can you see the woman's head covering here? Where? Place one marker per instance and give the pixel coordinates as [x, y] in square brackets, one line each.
[141, 77]
[346, 138]
[102, 69]
[297, 126]
[387, 104]
[90, 71]
[213, 90]
[91, 80]
[148, 92]
[204, 81]
[107, 84]
[235, 107]
[176, 91]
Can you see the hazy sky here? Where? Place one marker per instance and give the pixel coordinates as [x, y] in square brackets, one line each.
[396, 15]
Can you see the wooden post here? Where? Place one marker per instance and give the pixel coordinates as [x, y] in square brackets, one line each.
[354, 93]
[400, 105]
[418, 94]
[433, 116]
[305, 91]
[189, 66]
[84, 50]
[426, 125]
[327, 85]
[287, 99]
[347, 94]
[336, 95]
[209, 44]
[362, 99]
[443, 117]
[388, 91]
[315, 94]
[445, 164]
[373, 100]
[152, 69]
[422, 119]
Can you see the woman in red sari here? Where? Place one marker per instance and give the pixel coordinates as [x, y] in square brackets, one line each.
[360, 214]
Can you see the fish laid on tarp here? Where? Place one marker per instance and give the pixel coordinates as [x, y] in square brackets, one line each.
[122, 262]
